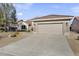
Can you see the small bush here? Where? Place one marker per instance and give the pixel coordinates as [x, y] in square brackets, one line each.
[15, 34]
[28, 30]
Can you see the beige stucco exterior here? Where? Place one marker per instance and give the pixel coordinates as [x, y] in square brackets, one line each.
[52, 26]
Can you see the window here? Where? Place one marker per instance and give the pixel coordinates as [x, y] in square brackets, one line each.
[23, 27]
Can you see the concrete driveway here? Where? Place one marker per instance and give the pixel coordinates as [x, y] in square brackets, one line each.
[39, 44]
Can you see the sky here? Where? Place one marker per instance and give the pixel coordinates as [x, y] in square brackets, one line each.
[27, 11]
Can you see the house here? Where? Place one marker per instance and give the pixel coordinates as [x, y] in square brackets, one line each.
[31, 25]
[57, 24]
[18, 26]
[25, 25]
[8, 27]
[11, 27]
[22, 26]
[75, 24]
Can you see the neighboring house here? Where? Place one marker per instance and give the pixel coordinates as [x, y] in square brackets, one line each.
[57, 24]
[11, 27]
[22, 26]
[31, 25]
[8, 27]
[19, 26]
[75, 24]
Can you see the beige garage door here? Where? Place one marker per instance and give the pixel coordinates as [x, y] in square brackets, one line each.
[50, 28]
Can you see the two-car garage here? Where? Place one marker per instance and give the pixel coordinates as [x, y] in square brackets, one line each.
[50, 28]
[54, 24]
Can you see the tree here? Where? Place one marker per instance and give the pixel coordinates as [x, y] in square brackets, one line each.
[7, 13]
[1, 14]
[13, 14]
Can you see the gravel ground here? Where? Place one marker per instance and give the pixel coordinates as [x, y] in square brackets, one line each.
[5, 39]
[73, 41]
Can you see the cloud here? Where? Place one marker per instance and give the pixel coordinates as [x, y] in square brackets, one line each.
[20, 14]
[23, 5]
[75, 9]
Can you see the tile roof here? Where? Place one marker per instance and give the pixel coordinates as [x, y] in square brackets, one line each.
[52, 17]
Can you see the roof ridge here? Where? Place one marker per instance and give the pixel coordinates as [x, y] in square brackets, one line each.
[50, 16]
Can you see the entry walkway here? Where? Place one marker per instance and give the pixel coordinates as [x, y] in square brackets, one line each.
[39, 44]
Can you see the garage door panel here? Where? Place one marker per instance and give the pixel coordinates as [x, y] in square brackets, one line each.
[50, 28]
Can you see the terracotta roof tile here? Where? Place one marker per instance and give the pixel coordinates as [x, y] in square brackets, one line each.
[52, 16]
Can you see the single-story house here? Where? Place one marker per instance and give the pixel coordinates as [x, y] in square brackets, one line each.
[25, 25]
[19, 26]
[22, 26]
[31, 25]
[57, 24]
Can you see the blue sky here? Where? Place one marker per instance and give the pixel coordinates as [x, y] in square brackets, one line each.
[30, 10]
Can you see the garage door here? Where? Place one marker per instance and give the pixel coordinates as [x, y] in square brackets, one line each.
[50, 28]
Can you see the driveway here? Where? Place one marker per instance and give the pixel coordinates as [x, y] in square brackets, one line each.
[39, 44]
